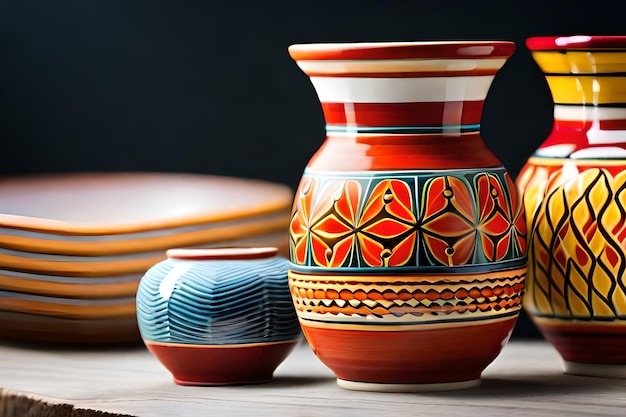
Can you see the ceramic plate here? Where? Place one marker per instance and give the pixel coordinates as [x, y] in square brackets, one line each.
[70, 287]
[70, 308]
[146, 241]
[120, 203]
[20, 326]
[102, 266]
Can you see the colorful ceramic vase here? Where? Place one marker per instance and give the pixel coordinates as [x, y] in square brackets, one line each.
[575, 200]
[407, 240]
[218, 316]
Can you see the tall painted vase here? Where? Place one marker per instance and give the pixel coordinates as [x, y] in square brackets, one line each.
[574, 192]
[407, 239]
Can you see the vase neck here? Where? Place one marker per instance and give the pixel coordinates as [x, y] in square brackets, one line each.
[440, 104]
[429, 119]
[400, 106]
[405, 88]
[589, 94]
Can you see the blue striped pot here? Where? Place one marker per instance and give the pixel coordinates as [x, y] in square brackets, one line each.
[218, 316]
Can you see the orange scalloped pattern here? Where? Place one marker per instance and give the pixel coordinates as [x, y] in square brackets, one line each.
[497, 293]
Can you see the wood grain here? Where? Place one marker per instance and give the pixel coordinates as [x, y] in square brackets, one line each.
[525, 380]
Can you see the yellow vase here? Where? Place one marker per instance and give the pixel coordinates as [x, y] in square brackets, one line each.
[574, 190]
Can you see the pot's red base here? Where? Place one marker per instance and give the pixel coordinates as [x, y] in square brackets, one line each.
[435, 356]
[584, 342]
[221, 365]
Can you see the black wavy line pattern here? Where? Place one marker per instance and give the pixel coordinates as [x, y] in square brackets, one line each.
[218, 303]
[560, 291]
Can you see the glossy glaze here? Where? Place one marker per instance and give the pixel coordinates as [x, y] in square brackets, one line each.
[119, 203]
[402, 50]
[383, 101]
[411, 222]
[406, 232]
[250, 363]
[574, 196]
[231, 299]
[62, 218]
[431, 353]
[73, 247]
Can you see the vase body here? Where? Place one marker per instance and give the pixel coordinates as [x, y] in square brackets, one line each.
[218, 316]
[574, 196]
[407, 239]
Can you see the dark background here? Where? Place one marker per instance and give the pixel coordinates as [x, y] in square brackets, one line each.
[208, 87]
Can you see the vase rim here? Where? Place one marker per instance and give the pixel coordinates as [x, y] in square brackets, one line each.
[460, 49]
[226, 253]
[539, 43]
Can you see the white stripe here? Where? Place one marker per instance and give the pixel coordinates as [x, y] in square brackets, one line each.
[556, 151]
[596, 136]
[603, 152]
[588, 113]
[166, 287]
[401, 90]
[399, 65]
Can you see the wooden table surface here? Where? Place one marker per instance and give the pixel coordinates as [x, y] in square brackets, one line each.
[525, 380]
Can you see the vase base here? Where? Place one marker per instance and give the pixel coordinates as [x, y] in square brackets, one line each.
[595, 369]
[253, 380]
[384, 387]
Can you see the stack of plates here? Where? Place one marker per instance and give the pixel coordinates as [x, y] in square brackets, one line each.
[73, 247]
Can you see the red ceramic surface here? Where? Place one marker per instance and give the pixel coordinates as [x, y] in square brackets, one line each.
[421, 356]
[588, 343]
[402, 50]
[550, 43]
[221, 365]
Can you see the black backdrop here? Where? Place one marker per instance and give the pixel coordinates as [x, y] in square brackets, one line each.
[208, 87]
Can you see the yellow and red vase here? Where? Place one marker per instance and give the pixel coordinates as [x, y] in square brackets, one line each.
[576, 205]
[407, 239]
